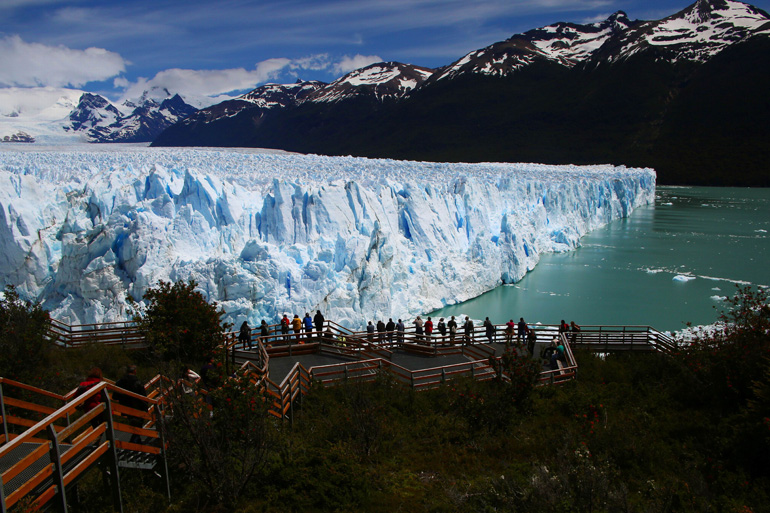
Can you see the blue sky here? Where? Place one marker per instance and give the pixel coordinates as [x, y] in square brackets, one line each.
[120, 47]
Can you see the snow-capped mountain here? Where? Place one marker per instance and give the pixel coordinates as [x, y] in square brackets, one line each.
[696, 33]
[273, 96]
[39, 112]
[93, 111]
[563, 43]
[645, 93]
[381, 81]
[59, 115]
[144, 123]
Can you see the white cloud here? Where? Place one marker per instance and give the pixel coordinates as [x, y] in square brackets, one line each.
[217, 82]
[34, 64]
[348, 64]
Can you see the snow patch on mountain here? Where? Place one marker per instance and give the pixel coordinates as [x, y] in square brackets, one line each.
[264, 234]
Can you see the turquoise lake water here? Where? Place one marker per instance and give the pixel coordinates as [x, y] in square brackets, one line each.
[667, 264]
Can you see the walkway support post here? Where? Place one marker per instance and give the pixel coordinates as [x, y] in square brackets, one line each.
[159, 421]
[113, 460]
[58, 471]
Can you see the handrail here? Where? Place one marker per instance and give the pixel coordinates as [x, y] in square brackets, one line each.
[47, 435]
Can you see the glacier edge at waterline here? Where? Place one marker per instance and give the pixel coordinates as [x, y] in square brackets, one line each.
[268, 233]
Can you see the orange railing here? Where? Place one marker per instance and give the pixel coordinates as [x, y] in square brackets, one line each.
[55, 451]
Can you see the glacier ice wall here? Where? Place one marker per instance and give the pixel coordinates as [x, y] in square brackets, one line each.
[265, 234]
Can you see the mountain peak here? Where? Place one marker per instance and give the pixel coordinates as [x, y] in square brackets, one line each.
[382, 80]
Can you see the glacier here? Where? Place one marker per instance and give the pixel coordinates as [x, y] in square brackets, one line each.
[266, 233]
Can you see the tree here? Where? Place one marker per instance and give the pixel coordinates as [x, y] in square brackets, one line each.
[24, 343]
[220, 437]
[727, 363]
[178, 323]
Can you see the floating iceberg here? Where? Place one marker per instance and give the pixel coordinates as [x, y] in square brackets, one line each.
[268, 233]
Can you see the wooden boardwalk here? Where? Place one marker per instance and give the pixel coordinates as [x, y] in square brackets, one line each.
[43, 452]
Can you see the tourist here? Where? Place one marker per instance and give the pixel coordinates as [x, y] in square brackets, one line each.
[469, 335]
[264, 332]
[93, 378]
[400, 329]
[418, 328]
[563, 327]
[452, 325]
[285, 329]
[510, 327]
[370, 332]
[296, 325]
[428, 329]
[244, 336]
[521, 336]
[389, 328]
[441, 326]
[308, 323]
[131, 382]
[318, 320]
[575, 329]
[187, 378]
[380, 331]
[558, 355]
[489, 330]
[531, 341]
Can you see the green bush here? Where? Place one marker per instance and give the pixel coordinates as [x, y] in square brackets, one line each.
[24, 345]
[178, 323]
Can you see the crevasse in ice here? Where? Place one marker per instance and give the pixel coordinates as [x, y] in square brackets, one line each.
[266, 233]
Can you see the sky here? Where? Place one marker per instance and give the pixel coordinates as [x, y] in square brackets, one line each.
[120, 48]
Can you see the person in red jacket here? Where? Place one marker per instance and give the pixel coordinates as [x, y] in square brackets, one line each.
[94, 378]
[428, 329]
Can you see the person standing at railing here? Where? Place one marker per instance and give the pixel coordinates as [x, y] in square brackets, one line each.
[308, 322]
[296, 325]
[468, 339]
[489, 330]
[400, 329]
[441, 327]
[531, 341]
[521, 335]
[428, 329]
[370, 332]
[418, 328]
[389, 327]
[264, 332]
[318, 320]
[510, 327]
[285, 322]
[380, 331]
[131, 382]
[452, 325]
[244, 335]
[575, 329]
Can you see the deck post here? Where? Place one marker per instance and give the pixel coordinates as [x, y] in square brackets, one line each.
[58, 471]
[5, 422]
[161, 430]
[113, 460]
[443, 374]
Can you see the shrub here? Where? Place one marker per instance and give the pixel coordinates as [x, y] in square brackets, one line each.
[24, 345]
[727, 364]
[178, 322]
